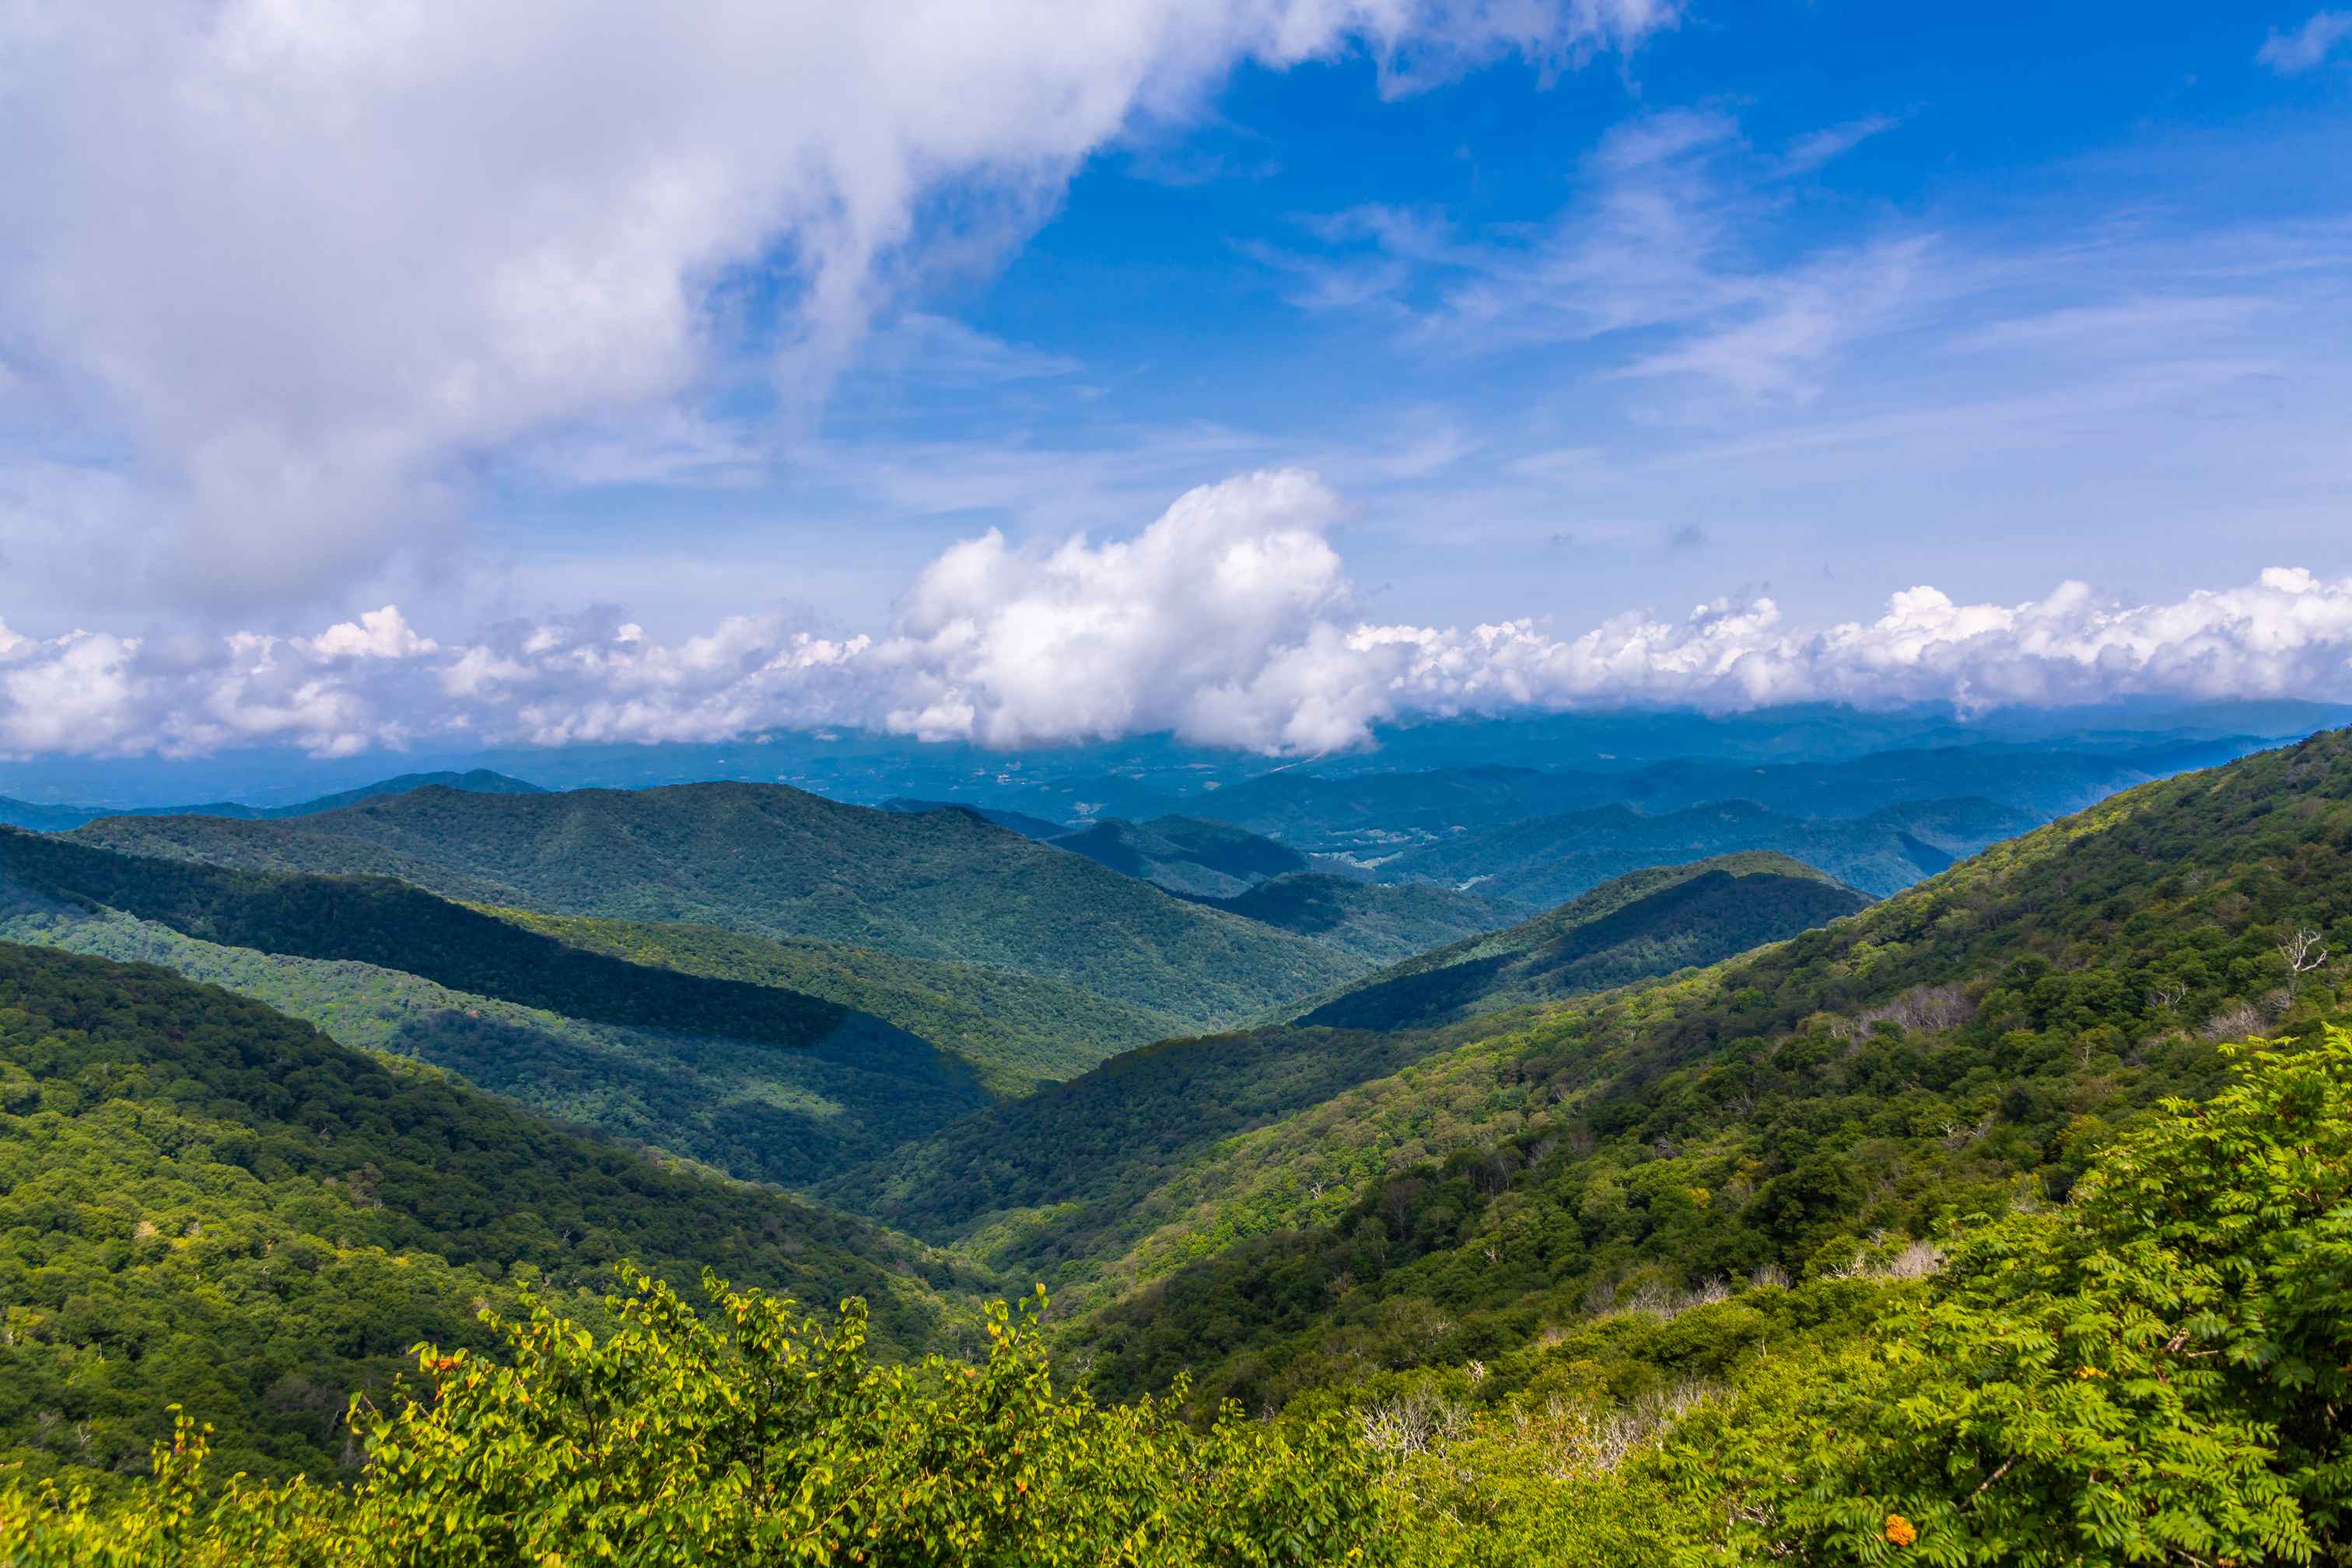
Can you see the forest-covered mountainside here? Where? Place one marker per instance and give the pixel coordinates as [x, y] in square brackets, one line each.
[1082, 1169]
[1374, 921]
[1548, 860]
[1018, 1030]
[1184, 854]
[1644, 924]
[774, 861]
[761, 1082]
[1968, 1043]
[203, 1201]
[2150, 1371]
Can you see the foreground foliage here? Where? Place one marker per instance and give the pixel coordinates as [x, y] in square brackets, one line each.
[2152, 1372]
[751, 1436]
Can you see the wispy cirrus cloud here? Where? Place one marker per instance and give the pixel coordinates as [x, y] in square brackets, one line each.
[2292, 54]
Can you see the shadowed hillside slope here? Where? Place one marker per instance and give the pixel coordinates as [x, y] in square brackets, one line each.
[1076, 1169]
[1647, 922]
[760, 1080]
[1373, 922]
[778, 862]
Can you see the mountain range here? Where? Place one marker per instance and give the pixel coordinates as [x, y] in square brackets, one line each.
[1445, 1181]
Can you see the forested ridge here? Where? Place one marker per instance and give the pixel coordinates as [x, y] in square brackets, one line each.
[1376, 922]
[772, 861]
[1644, 924]
[1019, 1030]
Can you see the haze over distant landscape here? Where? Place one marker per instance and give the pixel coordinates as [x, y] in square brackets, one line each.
[1416, 784]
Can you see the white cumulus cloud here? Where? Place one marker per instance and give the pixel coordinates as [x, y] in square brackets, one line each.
[1228, 620]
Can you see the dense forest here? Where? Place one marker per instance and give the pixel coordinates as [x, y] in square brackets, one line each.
[206, 1203]
[2150, 1372]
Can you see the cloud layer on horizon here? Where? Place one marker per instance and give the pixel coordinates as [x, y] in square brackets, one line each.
[1230, 620]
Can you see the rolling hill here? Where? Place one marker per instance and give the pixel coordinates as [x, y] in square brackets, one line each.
[1018, 1030]
[1644, 924]
[772, 862]
[203, 1201]
[1184, 854]
[1014, 820]
[1058, 1177]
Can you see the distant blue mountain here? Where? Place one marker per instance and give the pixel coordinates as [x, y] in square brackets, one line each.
[64, 818]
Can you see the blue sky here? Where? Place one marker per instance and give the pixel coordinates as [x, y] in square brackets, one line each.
[1211, 295]
[1572, 314]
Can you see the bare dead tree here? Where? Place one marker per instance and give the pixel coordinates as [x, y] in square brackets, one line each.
[2302, 953]
[2168, 997]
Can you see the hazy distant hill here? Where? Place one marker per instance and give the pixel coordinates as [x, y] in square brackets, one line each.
[1375, 922]
[1647, 922]
[775, 861]
[1371, 814]
[1548, 860]
[1184, 854]
[1019, 822]
[63, 818]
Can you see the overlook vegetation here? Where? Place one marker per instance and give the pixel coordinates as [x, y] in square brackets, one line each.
[769, 861]
[2148, 1372]
[1642, 924]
